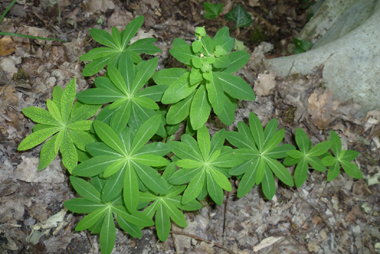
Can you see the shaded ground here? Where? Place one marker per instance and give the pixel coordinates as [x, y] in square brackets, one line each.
[337, 217]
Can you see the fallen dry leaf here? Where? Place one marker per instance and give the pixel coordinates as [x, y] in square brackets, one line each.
[266, 84]
[7, 46]
[321, 107]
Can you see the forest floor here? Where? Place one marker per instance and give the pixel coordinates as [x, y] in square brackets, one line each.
[341, 216]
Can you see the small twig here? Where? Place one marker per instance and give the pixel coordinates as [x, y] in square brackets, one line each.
[269, 25]
[365, 226]
[225, 218]
[321, 215]
[174, 241]
[204, 240]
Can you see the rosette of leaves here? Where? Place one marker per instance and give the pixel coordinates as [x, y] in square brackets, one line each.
[342, 158]
[122, 87]
[260, 149]
[126, 161]
[167, 207]
[117, 44]
[305, 156]
[64, 123]
[101, 213]
[204, 164]
[209, 84]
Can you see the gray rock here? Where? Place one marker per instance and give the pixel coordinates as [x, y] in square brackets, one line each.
[350, 57]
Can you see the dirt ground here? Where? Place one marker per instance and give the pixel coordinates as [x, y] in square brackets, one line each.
[341, 216]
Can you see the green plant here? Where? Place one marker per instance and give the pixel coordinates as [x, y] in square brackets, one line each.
[240, 16]
[305, 156]
[122, 87]
[65, 122]
[166, 207]
[126, 161]
[23, 35]
[212, 10]
[259, 148]
[341, 158]
[130, 171]
[209, 83]
[204, 164]
[102, 212]
[116, 46]
[302, 46]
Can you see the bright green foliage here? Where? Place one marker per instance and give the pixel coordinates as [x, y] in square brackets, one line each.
[305, 156]
[302, 46]
[204, 164]
[125, 166]
[102, 212]
[240, 16]
[209, 84]
[66, 124]
[126, 161]
[259, 148]
[116, 46]
[167, 206]
[342, 158]
[212, 10]
[123, 88]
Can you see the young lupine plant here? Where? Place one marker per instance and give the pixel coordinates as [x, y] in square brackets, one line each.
[305, 156]
[102, 212]
[64, 123]
[209, 84]
[260, 149]
[117, 44]
[126, 161]
[166, 207]
[204, 164]
[122, 87]
[341, 158]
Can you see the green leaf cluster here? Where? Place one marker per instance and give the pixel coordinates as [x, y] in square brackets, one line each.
[117, 44]
[64, 123]
[209, 84]
[137, 171]
[204, 164]
[166, 207]
[103, 212]
[260, 150]
[306, 156]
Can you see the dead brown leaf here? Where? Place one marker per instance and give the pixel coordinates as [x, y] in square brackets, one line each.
[8, 96]
[354, 214]
[266, 84]
[322, 107]
[7, 46]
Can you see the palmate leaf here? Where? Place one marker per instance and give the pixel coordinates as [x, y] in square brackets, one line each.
[167, 207]
[122, 87]
[306, 156]
[117, 47]
[342, 158]
[260, 149]
[202, 165]
[124, 159]
[64, 120]
[101, 213]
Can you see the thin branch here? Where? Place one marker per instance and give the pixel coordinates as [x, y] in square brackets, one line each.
[201, 239]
